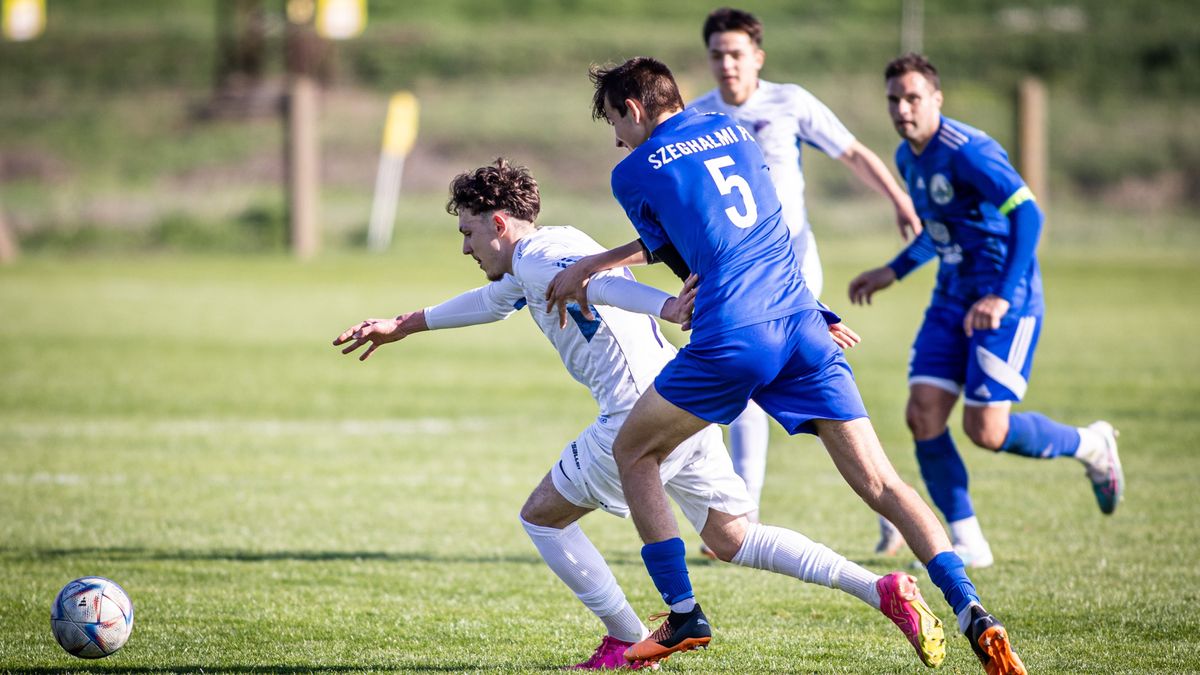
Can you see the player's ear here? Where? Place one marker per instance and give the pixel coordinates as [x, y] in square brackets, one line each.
[760, 57]
[937, 98]
[500, 222]
[634, 107]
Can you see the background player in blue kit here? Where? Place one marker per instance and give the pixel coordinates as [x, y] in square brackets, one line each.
[697, 190]
[982, 325]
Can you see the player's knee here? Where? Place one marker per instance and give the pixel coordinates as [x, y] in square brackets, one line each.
[725, 545]
[529, 515]
[985, 435]
[534, 512]
[921, 421]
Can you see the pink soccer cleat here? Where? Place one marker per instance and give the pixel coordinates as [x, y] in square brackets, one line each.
[610, 655]
[900, 600]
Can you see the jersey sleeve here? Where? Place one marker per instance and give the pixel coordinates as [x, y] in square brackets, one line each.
[485, 304]
[629, 196]
[985, 166]
[819, 127]
[1025, 228]
[617, 288]
[917, 253]
[902, 159]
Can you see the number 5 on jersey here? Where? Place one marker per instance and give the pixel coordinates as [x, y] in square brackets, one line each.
[726, 184]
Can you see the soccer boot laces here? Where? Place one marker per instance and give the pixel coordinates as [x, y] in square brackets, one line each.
[680, 632]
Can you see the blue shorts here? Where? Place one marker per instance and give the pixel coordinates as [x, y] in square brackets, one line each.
[789, 366]
[991, 367]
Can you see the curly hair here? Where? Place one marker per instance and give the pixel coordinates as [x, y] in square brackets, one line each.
[912, 63]
[727, 19]
[641, 78]
[500, 186]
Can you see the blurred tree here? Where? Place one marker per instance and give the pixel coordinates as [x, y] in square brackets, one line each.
[240, 89]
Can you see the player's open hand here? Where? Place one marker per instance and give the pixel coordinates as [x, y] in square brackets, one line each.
[866, 284]
[569, 285]
[379, 332]
[843, 336]
[679, 309]
[985, 314]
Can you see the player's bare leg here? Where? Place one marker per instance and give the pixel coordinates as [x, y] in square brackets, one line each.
[942, 468]
[550, 521]
[1031, 434]
[859, 457]
[654, 428]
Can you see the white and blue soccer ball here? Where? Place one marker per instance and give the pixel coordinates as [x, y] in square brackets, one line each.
[92, 617]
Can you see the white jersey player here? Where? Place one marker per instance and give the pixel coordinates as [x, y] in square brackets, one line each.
[616, 355]
[783, 118]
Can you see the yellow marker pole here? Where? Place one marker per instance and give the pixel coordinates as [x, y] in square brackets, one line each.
[341, 19]
[399, 134]
[24, 19]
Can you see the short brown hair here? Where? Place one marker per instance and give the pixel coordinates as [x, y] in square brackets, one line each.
[500, 186]
[640, 78]
[912, 63]
[728, 19]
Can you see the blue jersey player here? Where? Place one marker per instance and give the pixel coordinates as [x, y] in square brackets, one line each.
[982, 326]
[699, 195]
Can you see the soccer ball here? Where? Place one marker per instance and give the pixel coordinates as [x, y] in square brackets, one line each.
[92, 617]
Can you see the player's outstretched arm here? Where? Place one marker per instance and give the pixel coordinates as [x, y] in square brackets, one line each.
[873, 173]
[570, 285]
[625, 293]
[379, 332]
[865, 285]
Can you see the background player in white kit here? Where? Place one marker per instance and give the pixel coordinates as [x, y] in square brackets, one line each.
[616, 355]
[781, 117]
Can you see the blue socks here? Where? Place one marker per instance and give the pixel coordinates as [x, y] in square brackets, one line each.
[945, 476]
[665, 563]
[1035, 435]
[946, 571]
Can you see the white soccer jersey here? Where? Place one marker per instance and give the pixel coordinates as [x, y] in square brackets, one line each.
[780, 117]
[616, 356]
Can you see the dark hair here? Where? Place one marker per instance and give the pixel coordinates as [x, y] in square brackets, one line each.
[728, 19]
[912, 63]
[500, 186]
[641, 78]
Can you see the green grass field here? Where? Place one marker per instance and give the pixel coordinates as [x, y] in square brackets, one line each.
[182, 425]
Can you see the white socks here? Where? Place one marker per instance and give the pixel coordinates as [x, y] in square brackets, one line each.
[748, 436]
[576, 561]
[684, 606]
[1091, 446]
[787, 552]
[967, 533]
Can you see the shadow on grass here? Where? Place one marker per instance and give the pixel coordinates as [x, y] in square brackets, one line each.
[235, 555]
[359, 668]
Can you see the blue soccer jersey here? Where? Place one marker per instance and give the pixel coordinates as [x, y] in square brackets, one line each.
[701, 185]
[964, 187]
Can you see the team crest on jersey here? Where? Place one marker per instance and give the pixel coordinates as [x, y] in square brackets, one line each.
[938, 231]
[940, 190]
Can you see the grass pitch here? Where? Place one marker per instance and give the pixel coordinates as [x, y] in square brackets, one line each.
[182, 425]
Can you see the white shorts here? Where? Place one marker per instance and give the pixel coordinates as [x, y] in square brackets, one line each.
[698, 475]
[810, 263]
